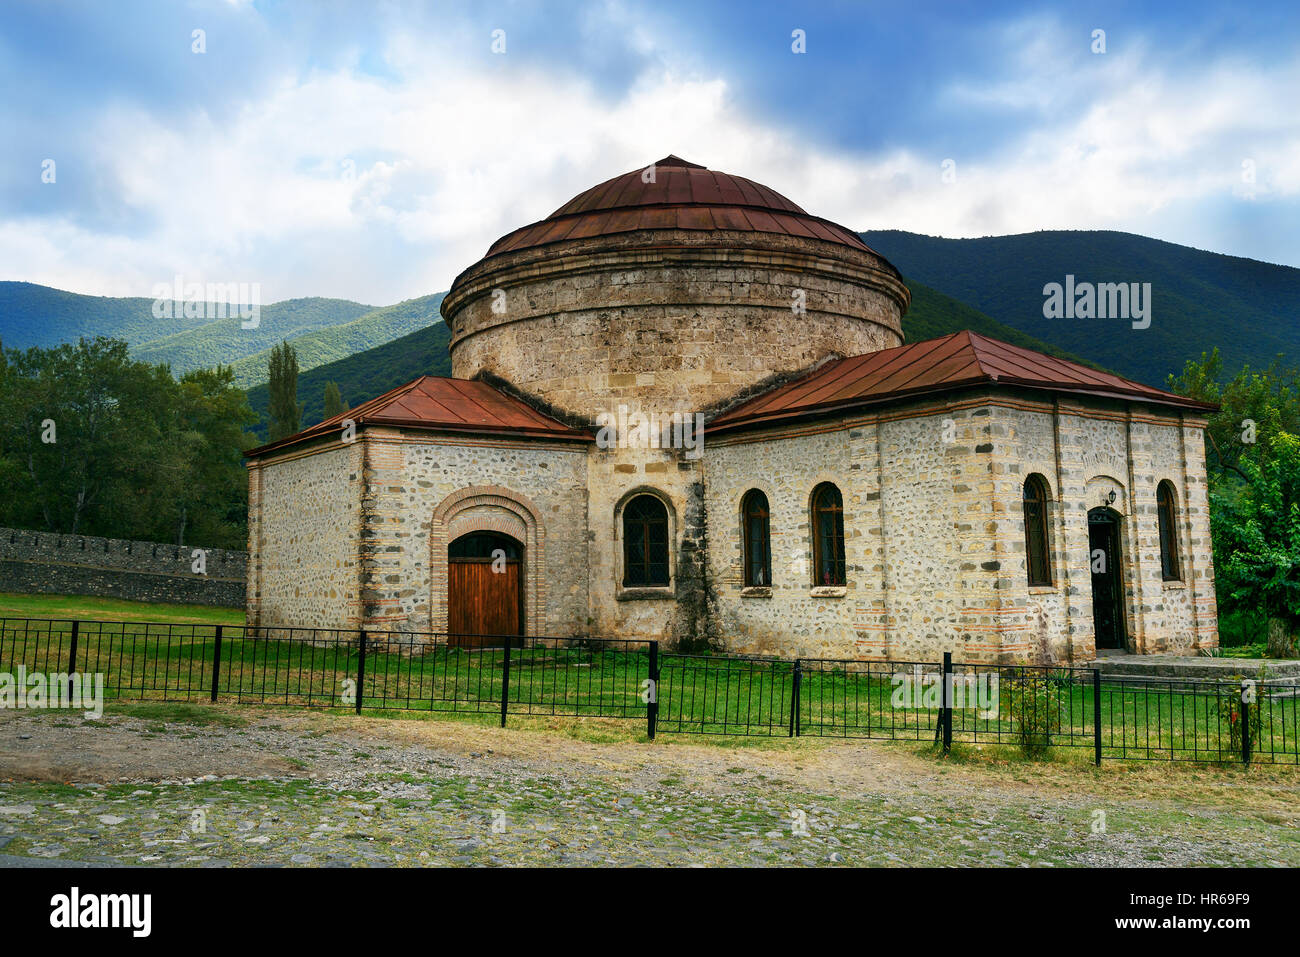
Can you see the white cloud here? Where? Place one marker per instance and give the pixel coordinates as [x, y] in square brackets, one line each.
[465, 148]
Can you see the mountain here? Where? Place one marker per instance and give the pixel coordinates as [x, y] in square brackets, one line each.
[932, 314]
[1249, 309]
[367, 374]
[225, 341]
[374, 371]
[339, 341]
[33, 315]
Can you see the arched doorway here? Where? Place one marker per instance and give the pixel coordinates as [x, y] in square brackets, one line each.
[485, 594]
[1106, 562]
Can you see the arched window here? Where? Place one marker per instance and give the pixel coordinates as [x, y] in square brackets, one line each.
[757, 539]
[828, 535]
[1038, 560]
[1167, 511]
[645, 543]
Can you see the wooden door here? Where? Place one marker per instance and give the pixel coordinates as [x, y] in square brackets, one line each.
[481, 601]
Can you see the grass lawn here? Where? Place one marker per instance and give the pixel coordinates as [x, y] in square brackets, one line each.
[710, 695]
[171, 659]
[89, 608]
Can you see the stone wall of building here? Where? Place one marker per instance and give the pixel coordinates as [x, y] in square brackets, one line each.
[671, 319]
[934, 531]
[681, 611]
[304, 532]
[48, 563]
[424, 490]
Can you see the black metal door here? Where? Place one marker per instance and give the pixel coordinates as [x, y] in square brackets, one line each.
[1107, 583]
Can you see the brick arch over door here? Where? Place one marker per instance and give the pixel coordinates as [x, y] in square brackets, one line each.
[489, 508]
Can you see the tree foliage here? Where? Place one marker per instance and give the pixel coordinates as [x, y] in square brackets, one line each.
[94, 442]
[333, 401]
[282, 381]
[1253, 463]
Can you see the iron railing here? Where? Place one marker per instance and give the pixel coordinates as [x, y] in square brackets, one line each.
[1033, 707]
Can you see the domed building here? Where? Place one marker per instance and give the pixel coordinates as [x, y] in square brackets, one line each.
[682, 408]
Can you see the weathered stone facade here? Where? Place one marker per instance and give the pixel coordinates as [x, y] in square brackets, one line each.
[584, 319]
[934, 531]
[667, 320]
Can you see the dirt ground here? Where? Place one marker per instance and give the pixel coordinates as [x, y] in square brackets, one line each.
[218, 786]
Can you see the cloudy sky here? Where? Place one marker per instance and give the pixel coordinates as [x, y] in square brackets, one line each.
[371, 151]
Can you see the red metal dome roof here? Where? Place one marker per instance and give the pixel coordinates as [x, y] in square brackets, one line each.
[682, 195]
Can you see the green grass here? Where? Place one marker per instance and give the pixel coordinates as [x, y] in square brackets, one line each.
[173, 662]
[86, 607]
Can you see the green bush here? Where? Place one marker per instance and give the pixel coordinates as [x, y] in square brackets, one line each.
[1032, 700]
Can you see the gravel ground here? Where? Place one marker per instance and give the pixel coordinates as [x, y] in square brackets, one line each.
[226, 787]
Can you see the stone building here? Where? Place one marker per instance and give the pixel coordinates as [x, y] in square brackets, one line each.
[849, 495]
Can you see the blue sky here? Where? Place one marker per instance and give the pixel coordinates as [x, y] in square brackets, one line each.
[371, 151]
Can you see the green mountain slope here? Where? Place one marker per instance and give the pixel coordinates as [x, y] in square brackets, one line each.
[373, 372]
[932, 314]
[33, 315]
[367, 374]
[1249, 309]
[225, 341]
[340, 341]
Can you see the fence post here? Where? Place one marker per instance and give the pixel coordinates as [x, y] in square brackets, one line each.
[72, 656]
[794, 699]
[1096, 716]
[505, 683]
[216, 663]
[947, 701]
[361, 669]
[1245, 721]
[652, 708]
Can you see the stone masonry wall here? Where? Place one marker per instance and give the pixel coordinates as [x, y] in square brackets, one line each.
[424, 490]
[49, 563]
[667, 319]
[934, 531]
[304, 527]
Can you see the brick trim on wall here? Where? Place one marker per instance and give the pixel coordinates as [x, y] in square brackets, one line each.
[489, 508]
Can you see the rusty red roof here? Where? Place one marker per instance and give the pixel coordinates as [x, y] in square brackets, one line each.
[437, 403]
[684, 195]
[959, 360]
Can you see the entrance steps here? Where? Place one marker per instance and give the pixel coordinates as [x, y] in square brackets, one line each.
[1283, 674]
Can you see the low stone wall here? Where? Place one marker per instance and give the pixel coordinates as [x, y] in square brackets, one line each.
[48, 563]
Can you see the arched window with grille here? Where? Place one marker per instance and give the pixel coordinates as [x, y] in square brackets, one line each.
[1167, 511]
[757, 538]
[828, 535]
[1038, 559]
[645, 543]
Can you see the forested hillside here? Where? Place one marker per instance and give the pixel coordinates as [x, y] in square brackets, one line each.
[337, 342]
[366, 374]
[1249, 309]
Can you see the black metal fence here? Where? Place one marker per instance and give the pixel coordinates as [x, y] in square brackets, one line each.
[1032, 707]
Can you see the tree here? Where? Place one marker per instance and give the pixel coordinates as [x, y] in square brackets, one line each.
[1256, 530]
[93, 442]
[334, 404]
[212, 498]
[284, 409]
[1253, 466]
[1255, 405]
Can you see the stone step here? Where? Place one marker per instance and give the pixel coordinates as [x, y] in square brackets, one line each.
[1283, 674]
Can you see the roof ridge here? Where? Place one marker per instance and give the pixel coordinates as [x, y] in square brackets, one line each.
[959, 360]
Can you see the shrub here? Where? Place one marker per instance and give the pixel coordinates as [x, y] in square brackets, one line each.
[1032, 699]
